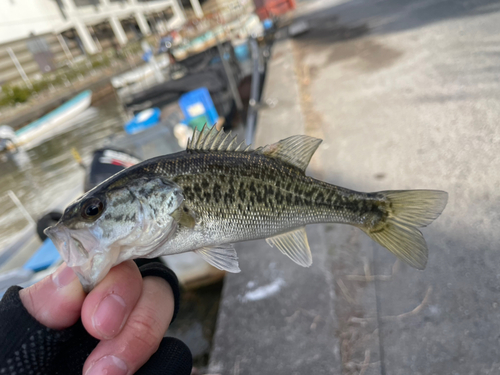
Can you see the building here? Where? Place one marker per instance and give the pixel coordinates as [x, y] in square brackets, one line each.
[37, 36]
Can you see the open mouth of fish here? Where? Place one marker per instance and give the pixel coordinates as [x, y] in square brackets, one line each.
[81, 250]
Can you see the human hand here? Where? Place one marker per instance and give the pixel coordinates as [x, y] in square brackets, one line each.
[127, 313]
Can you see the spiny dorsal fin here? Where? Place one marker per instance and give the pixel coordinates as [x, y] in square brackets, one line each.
[211, 139]
[232, 145]
[217, 139]
[293, 244]
[201, 138]
[297, 150]
[222, 145]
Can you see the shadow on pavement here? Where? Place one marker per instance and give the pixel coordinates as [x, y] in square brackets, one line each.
[389, 16]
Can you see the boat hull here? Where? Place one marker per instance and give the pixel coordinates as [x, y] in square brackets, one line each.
[54, 119]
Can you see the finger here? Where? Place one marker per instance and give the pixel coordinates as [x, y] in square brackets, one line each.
[110, 303]
[141, 335]
[56, 300]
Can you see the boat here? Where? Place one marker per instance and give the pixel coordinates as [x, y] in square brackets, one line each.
[53, 120]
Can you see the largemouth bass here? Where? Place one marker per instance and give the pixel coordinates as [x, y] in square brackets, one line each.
[216, 193]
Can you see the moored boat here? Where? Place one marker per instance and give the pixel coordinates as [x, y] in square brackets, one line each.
[54, 119]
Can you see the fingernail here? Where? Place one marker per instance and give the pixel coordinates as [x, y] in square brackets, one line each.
[109, 365]
[63, 276]
[109, 316]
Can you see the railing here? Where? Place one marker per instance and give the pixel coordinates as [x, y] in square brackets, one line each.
[25, 235]
[19, 205]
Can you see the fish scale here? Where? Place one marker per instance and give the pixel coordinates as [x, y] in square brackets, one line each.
[265, 195]
[216, 193]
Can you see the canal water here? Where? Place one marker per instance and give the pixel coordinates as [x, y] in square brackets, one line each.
[45, 174]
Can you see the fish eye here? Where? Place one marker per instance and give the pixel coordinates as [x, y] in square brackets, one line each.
[92, 209]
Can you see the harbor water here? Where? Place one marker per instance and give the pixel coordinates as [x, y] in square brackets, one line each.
[43, 175]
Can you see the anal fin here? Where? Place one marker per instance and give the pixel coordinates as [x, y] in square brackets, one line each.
[294, 245]
[223, 257]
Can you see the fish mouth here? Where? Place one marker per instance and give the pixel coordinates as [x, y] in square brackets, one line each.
[75, 246]
[81, 251]
[60, 239]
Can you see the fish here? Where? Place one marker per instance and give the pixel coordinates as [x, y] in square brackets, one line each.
[218, 192]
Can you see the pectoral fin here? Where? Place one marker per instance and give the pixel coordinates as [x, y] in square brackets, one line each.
[294, 245]
[223, 257]
[184, 217]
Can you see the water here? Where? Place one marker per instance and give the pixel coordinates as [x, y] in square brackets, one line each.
[46, 173]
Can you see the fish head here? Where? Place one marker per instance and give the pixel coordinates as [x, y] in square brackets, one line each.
[114, 223]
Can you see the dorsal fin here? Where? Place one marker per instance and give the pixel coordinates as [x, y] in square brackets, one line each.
[194, 138]
[297, 150]
[211, 139]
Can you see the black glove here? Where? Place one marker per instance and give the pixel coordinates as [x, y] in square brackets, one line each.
[26, 346]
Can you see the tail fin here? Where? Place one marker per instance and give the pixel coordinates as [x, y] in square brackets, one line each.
[408, 210]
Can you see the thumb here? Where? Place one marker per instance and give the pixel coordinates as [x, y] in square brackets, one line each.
[55, 301]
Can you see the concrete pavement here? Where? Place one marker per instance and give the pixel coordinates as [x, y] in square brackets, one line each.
[405, 95]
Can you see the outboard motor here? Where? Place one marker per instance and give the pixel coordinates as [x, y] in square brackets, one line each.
[105, 163]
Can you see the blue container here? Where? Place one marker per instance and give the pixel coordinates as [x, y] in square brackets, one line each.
[44, 257]
[143, 120]
[198, 108]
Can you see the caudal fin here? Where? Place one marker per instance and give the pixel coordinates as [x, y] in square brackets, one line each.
[407, 211]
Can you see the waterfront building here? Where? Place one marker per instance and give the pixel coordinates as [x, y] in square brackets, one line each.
[38, 36]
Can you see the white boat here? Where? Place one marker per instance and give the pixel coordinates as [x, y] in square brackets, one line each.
[53, 120]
